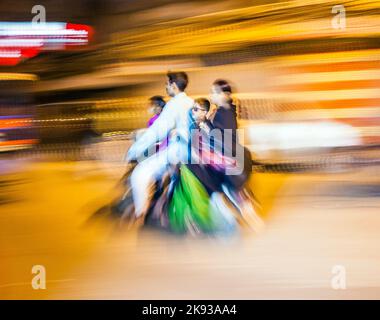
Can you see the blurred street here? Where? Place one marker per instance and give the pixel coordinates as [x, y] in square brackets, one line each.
[314, 221]
[296, 82]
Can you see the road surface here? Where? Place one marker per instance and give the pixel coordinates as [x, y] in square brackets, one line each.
[321, 229]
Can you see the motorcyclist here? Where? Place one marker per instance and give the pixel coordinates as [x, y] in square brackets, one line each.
[175, 119]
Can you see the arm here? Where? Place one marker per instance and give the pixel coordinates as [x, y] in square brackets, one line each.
[225, 120]
[158, 131]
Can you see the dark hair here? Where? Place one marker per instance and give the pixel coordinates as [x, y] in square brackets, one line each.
[204, 103]
[158, 101]
[179, 78]
[223, 85]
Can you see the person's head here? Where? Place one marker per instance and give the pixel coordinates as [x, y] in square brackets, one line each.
[157, 103]
[200, 109]
[176, 82]
[220, 92]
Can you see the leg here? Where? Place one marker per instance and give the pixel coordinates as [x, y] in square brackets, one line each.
[144, 177]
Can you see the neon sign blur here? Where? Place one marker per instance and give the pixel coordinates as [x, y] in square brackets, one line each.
[24, 40]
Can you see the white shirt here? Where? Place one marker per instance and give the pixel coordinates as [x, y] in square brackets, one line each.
[175, 115]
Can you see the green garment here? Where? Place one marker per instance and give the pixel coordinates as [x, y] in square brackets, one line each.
[190, 205]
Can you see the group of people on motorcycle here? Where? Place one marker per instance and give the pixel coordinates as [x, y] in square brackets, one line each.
[195, 149]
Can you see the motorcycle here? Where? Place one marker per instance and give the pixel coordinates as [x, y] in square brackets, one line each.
[229, 208]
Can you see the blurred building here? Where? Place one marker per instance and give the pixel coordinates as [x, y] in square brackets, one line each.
[291, 62]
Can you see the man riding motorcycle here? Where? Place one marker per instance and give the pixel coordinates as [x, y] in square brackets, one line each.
[173, 120]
